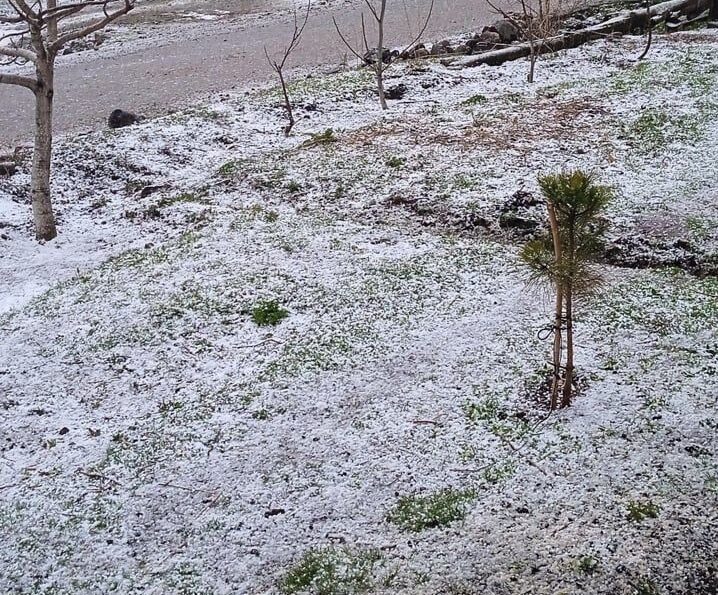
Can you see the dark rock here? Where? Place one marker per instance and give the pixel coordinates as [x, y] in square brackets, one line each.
[508, 32]
[387, 56]
[521, 199]
[410, 53]
[471, 221]
[64, 431]
[120, 118]
[149, 190]
[510, 220]
[489, 36]
[273, 512]
[396, 92]
[643, 252]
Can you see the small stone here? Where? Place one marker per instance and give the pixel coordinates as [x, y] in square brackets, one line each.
[120, 118]
[7, 169]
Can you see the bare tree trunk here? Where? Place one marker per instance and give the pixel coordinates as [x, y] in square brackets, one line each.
[42, 155]
[650, 31]
[532, 66]
[287, 103]
[380, 84]
[380, 57]
[558, 314]
[713, 15]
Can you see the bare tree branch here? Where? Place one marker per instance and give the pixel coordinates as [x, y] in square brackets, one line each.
[10, 20]
[423, 28]
[23, 10]
[18, 53]
[96, 26]
[344, 40]
[21, 81]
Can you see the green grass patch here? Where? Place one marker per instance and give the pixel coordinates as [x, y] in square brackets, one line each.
[332, 571]
[656, 128]
[229, 170]
[425, 511]
[587, 564]
[326, 137]
[641, 510]
[349, 85]
[268, 313]
[475, 100]
[395, 162]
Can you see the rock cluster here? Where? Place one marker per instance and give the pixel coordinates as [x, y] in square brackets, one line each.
[9, 163]
[84, 44]
[501, 33]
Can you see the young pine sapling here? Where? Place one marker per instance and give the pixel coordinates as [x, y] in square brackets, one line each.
[565, 259]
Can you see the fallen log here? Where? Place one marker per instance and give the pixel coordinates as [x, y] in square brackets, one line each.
[623, 23]
[682, 24]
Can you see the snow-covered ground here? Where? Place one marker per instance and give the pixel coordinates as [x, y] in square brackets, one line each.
[384, 436]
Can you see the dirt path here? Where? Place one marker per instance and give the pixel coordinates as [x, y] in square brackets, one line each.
[198, 60]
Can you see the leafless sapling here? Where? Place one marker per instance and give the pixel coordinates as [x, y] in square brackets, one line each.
[375, 55]
[649, 24]
[44, 27]
[537, 22]
[279, 64]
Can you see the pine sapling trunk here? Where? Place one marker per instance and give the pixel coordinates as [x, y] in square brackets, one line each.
[568, 299]
[568, 380]
[558, 314]
[42, 154]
